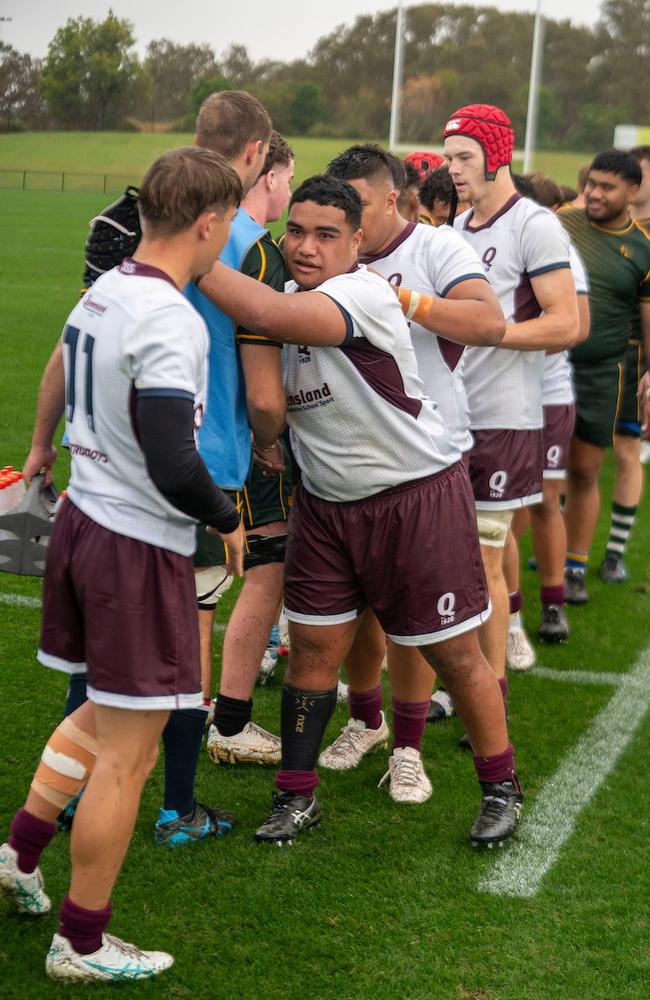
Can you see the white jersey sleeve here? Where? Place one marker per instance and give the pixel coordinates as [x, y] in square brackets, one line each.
[544, 244]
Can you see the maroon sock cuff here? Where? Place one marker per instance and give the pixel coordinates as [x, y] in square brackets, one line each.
[515, 602]
[409, 721]
[366, 706]
[298, 782]
[496, 769]
[552, 595]
[83, 928]
[29, 836]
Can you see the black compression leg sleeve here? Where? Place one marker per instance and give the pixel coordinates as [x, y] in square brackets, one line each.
[305, 715]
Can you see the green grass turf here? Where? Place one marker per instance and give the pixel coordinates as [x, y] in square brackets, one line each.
[125, 156]
[381, 901]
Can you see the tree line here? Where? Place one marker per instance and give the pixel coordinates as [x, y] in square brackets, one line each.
[593, 78]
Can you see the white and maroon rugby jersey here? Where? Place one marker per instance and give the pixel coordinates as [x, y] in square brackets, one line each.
[523, 240]
[432, 260]
[133, 330]
[359, 420]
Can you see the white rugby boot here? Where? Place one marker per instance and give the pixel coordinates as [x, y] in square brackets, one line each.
[354, 742]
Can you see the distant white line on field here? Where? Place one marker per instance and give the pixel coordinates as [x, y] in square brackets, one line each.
[21, 601]
[552, 817]
[579, 676]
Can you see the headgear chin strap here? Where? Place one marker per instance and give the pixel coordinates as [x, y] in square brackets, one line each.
[491, 128]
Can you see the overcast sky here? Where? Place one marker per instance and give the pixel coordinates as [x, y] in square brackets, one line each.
[284, 29]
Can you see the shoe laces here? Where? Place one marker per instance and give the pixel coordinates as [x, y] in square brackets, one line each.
[351, 734]
[280, 805]
[405, 769]
[552, 614]
[124, 947]
[258, 731]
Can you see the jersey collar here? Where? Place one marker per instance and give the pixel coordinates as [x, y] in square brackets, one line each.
[387, 251]
[497, 215]
[130, 266]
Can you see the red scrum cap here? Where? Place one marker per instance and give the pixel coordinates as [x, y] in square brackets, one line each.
[424, 162]
[491, 128]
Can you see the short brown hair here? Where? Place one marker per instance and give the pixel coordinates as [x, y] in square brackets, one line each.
[184, 183]
[583, 175]
[280, 153]
[229, 120]
[640, 153]
[547, 191]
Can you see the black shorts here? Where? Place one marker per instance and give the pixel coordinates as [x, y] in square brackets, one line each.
[599, 389]
[628, 414]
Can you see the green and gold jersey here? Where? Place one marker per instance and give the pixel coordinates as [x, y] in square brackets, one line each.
[264, 262]
[618, 267]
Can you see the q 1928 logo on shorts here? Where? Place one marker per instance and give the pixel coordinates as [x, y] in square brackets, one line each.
[446, 608]
[497, 484]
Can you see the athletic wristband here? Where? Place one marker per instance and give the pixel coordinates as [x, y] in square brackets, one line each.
[415, 305]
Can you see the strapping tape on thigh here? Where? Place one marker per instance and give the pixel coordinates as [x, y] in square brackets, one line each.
[265, 549]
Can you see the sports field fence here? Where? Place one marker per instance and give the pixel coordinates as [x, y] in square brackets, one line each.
[57, 180]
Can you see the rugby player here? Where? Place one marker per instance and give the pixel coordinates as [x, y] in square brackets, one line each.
[546, 520]
[384, 514]
[616, 254]
[233, 736]
[437, 263]
[526, 255]
[119, 595]
[245, 394]
[435, 195]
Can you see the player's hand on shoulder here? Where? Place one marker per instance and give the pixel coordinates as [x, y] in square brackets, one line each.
[40, 459]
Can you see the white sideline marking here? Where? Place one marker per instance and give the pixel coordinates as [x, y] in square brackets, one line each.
[579, 676]
[551, 820]
[20, 601]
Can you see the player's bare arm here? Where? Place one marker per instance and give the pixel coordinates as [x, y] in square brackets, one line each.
[469, 314]
[310, 318]
[265, 399]
[49, 410]
[558, 328]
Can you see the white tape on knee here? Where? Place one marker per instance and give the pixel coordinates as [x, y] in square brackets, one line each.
[211, 583]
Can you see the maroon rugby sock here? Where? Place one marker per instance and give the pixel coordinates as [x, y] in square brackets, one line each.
[298, 782]
[29, 836]
[366, 705]
[552, 595]
[83, 928]
[409, 721]
[496, 769]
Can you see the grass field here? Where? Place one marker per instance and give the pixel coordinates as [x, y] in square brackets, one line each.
[382, 901]
[127, 155]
